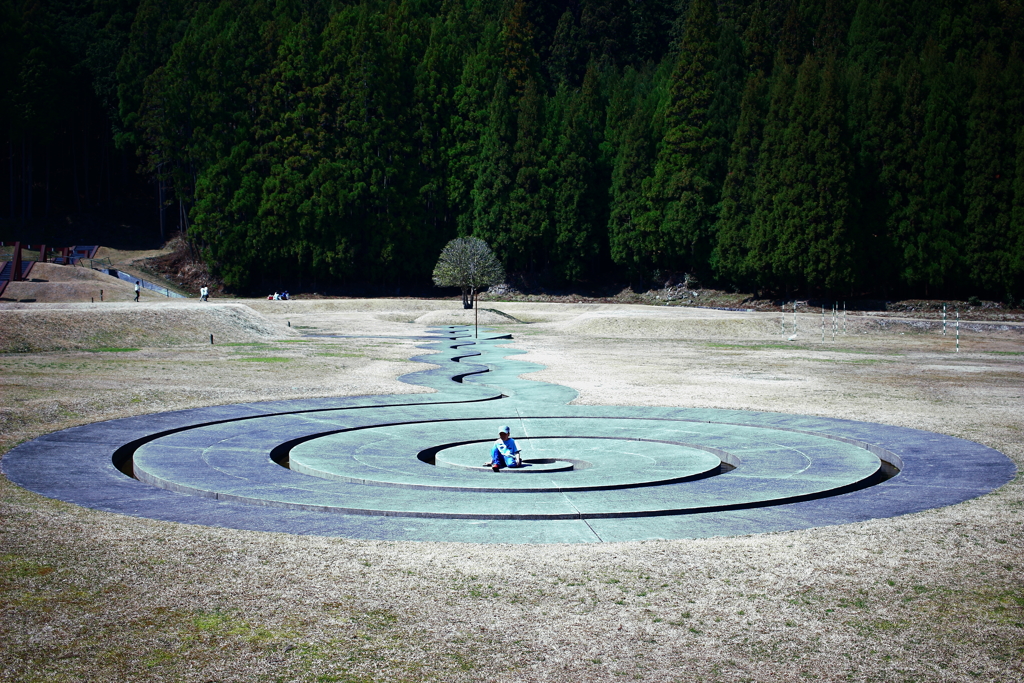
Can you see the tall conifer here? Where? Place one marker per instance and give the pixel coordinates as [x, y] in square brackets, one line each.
[473, 99]
[578, 199]
[495, 175]
[531, 233]
[833, 242]
[682, 195]
[732, 236]
[630, 246]
[765, 231]
[933, 254]
[988, 180]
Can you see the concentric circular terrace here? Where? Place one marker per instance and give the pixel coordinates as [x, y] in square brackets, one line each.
[411, 467]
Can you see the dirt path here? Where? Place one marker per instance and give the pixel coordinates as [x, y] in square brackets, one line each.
[936, 596]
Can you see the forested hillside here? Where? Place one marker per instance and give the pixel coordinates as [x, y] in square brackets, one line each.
[846, 146]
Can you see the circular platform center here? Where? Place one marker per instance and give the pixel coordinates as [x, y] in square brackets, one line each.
[571, 455]
[570, 461]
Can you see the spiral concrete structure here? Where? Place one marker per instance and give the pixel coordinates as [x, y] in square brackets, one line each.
[411, 467]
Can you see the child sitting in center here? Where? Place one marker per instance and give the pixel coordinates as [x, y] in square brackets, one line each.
[505, 452]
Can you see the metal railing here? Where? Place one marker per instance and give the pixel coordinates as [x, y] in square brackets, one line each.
[145, 284]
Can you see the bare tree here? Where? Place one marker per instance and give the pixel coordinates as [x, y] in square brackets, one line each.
[468, 263]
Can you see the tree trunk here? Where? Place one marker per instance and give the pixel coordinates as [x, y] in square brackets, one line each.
[49, 147]
[74, 173]
[160, 206]
[85, 165]
[23, 174]
[106, 163]
[10, 168]
[29, 178]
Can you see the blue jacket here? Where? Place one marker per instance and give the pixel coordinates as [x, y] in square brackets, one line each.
[504, 452]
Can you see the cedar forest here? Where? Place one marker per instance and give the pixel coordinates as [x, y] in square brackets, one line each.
[769, 146]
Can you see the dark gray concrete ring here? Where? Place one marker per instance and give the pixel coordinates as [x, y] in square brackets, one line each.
[411, 467]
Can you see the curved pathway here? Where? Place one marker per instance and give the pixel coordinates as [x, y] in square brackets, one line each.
[411, 467]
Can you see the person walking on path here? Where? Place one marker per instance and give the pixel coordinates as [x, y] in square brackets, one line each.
[138, 289]
[505, 453]
[204, 293]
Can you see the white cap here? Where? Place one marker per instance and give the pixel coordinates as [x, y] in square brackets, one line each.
[504, 430]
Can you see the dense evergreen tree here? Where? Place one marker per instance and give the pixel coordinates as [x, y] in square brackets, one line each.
[768, 200]
[731, 258]
[530, 230]
[1014, 240]
[630, 132]
[437, 77]
[495, 174]
[575, 172]
[682, 192]
[832, 240]
[933, 248]
[473, 100]
[988, 181]
[811, 145]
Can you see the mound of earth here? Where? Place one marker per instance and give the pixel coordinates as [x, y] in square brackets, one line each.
[424, 312]
[460, 316]
[49, 327]
[409, 308]
[51, 283]
[620, 322]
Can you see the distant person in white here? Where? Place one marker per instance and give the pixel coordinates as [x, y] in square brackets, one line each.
[138, 289]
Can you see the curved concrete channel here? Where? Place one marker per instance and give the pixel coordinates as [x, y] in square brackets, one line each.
[411, 467]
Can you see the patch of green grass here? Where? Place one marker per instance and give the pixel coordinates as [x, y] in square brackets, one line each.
[1008, 607]
[263, 359]
[342, 355]
[859, 603]
[158, 657]
[1005, 353]
[111, 349]
[791, 346]
[12, 566]
[211, 621]
[865, 352]
[377, 618]
[877, 627]
[244, 344]
[297, 341]
[343, 678]
[750, 347]
[847, 361]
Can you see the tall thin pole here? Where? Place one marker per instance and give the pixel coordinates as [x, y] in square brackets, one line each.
[958, 330]
[943, 320]
[823, 323]
[783, 320]
[160, 205]
[844, 318]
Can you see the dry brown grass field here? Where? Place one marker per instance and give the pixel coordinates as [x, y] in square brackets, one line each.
[92, 596]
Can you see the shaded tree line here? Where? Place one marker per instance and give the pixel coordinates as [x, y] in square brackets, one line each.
[844, 146]
[58, 113]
